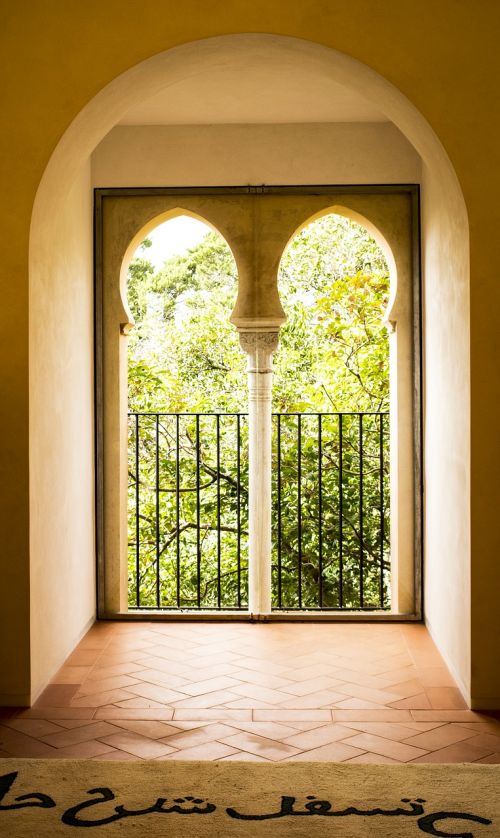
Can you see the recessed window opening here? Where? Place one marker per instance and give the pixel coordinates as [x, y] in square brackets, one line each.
[188, 496]
[331, 474]
[188, 425]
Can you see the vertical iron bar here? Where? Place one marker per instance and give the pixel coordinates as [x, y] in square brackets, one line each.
[157, 492]
[382, 511]
[278, 444]
[299, 501]
[177, 508]
[341, 514]
[217, 425]
[361, 521]
[238, 504]
[137, 528]
[320, 508]
[198, 543]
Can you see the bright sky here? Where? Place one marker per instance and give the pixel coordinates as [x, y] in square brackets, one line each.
[172, 238]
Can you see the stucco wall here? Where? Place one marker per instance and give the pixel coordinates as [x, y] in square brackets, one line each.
[446, 366]
[225, 155]
[61, 417]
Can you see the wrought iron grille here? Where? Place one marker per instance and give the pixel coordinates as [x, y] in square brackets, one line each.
[331, 511]
[188, 511]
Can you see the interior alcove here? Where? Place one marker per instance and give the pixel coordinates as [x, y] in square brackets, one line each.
[62, 580]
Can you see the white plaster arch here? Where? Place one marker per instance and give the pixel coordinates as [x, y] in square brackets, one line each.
[149, 77]
[371, 228]
[142, 233]
[446, 325]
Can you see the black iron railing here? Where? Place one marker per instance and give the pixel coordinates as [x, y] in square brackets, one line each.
[188, 511]
[331, 511]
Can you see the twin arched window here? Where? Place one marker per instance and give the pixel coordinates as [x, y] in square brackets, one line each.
[297, 506]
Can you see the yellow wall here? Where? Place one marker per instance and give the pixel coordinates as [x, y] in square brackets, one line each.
[442, 56]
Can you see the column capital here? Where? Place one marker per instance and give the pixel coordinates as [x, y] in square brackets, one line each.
[253, 340]
[259, 346]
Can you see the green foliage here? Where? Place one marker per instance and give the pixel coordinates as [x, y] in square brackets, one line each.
[184, 358]
[333, 349]
[140, 273]
[185, 336]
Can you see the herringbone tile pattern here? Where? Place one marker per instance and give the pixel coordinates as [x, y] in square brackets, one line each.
[276, 691]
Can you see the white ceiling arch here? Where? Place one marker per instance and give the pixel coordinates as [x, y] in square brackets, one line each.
[245, 88]
[185, 65]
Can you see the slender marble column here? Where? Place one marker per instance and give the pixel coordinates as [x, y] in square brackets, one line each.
[259, 347]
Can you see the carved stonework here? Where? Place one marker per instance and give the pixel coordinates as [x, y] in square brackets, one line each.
[259, 348]
[255, 341]
[126, 328]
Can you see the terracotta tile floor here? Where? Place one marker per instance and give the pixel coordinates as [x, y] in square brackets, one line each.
[276, 691]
